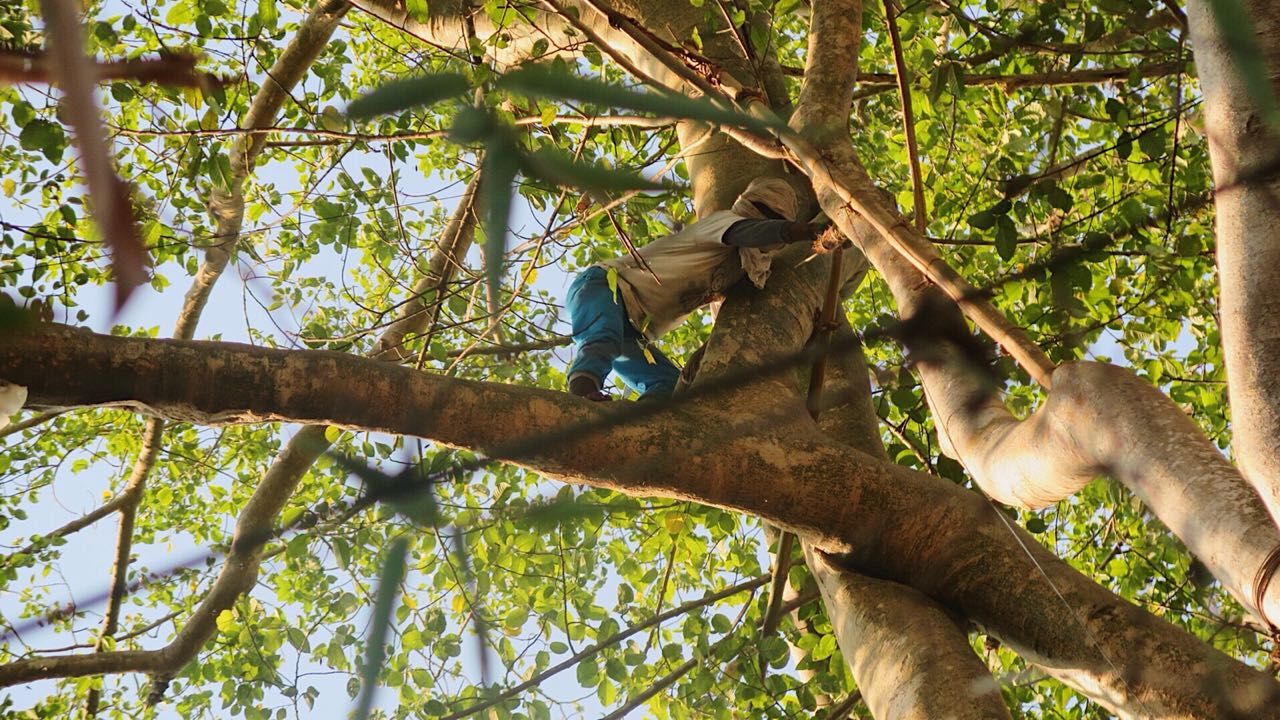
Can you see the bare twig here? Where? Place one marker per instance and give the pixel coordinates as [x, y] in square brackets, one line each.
[665, 681]
[876, 82]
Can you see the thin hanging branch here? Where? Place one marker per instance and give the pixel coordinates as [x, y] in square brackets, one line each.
[908, 117]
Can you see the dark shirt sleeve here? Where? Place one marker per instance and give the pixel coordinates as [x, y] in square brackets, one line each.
[756, 233]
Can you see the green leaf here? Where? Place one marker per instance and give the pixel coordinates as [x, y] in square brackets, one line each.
[220, 172]
[1152, 143]
[1059, 198]
[226, 621]
[516, 618]
[558, 83]
[1124, 146]
[1036, 524]
[982, 220]
[44, 136]
[389, 579]
[22, 112]
[268, 13]
[1006, 238]
[558, 167]
[180, 14]
[588, 672]
[418, 9]
[400, 95]
[611, 277]
[472, 125]
[331, 119]
[825, 647]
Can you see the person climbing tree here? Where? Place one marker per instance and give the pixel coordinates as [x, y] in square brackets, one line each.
[664, 281]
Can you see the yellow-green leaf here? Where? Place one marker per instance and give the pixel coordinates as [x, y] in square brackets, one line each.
[611, 277]
[226, 621]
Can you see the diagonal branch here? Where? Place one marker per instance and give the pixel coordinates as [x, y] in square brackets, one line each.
[131, 497]
[226, 204]
[423, 308]
[892, 522]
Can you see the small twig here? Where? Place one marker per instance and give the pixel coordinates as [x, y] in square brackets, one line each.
[132, 496]
[662, 591]
[631, 247]
[872, 83]
[666, 681]
[841, 711]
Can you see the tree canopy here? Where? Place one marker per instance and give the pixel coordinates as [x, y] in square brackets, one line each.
[410, 186]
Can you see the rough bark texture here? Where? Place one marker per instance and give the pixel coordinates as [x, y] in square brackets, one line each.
[894, 524]
[1245, 152]
[1175, 469]
[1098, 420]
[910, 659]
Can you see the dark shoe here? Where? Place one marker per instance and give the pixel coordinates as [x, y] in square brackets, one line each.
[586, 386]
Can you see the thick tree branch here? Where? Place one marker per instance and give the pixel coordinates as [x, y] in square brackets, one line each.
[1147, 443]
[996, 575]
[1243, 143]
[908, 656]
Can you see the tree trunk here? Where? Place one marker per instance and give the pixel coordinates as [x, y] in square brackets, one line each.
[1244, 147]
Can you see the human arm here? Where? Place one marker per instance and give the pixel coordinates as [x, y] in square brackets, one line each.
[748, 233]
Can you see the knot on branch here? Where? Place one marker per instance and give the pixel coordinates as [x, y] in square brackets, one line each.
[159, 686]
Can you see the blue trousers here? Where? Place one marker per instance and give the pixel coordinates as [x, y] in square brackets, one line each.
[606, 340]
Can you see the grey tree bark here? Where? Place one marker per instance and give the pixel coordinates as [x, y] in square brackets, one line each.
[1244, 146]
